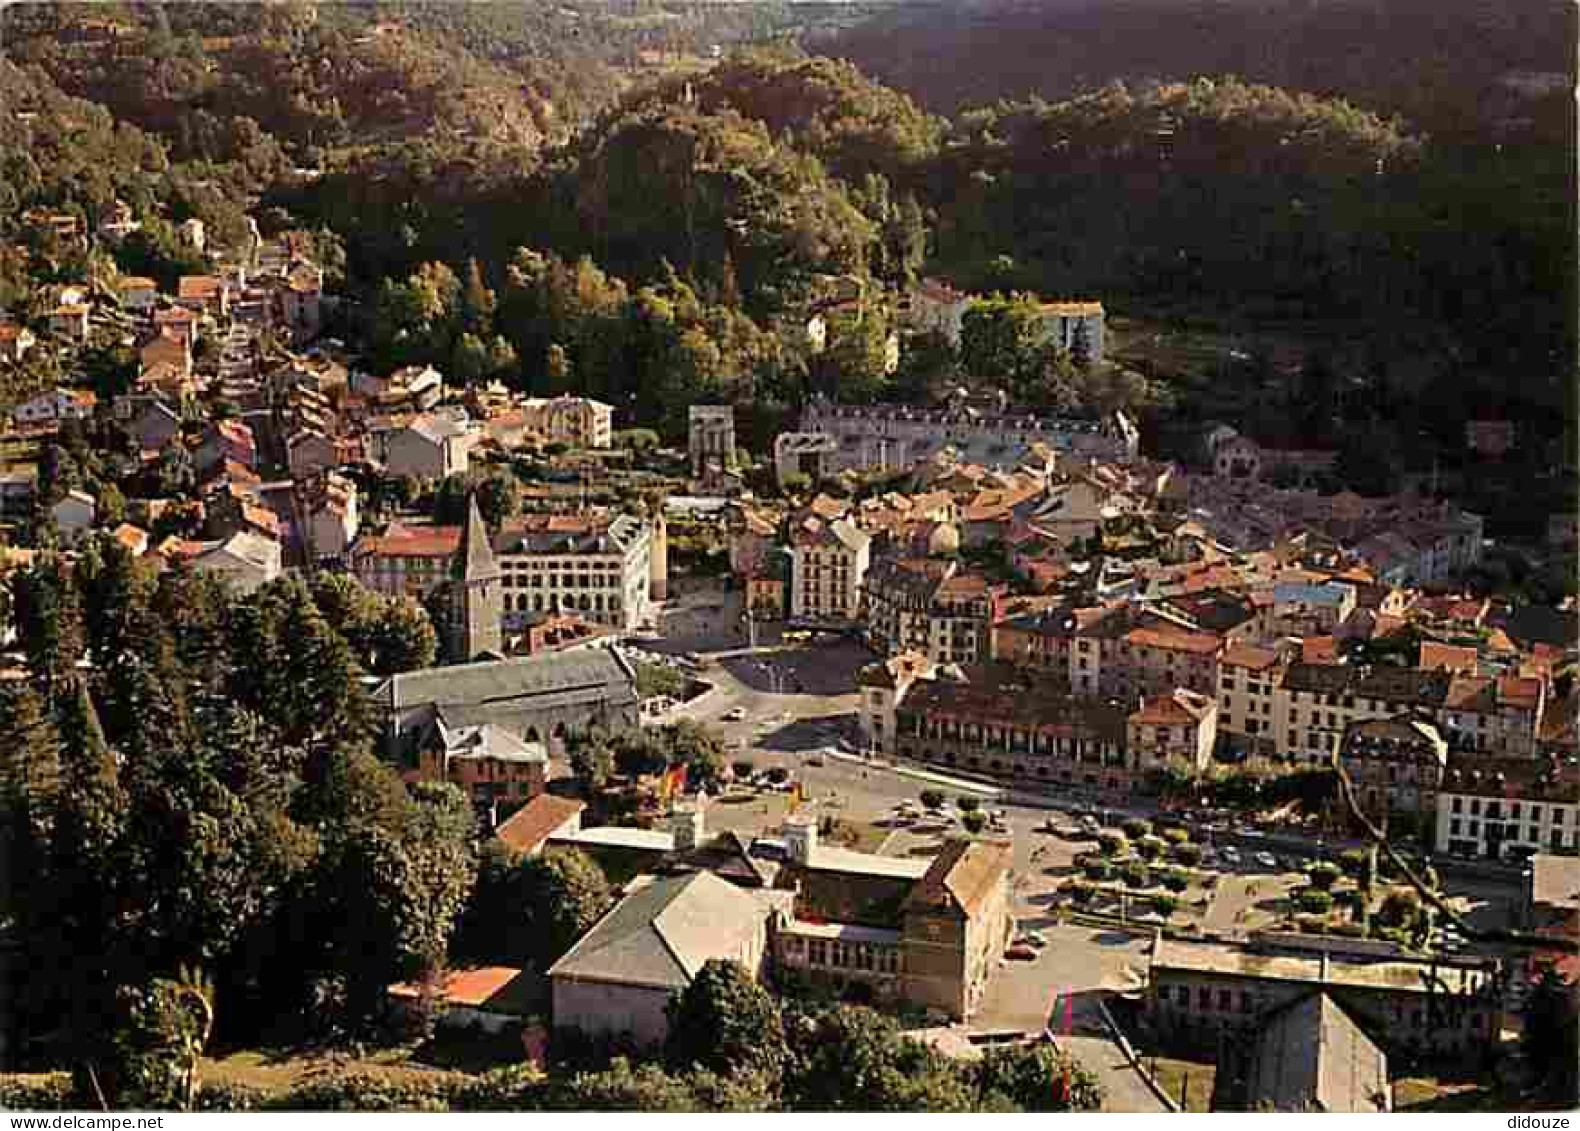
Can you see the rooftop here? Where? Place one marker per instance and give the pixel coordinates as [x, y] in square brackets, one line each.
[1232, 961]
[492, 989]
[662, 932]
[1555, 881]
[496, 680]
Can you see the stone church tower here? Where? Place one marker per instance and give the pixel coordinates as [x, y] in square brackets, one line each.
[476, 594]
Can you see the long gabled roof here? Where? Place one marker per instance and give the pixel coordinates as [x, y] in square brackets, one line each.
[660, 935]
[593, 669]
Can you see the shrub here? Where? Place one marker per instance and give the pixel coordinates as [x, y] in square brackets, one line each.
[1353, 862]
[1136, 875]
[1099, 869]
[1188, 854]
[1176, 835]
[54, 1092]
[1081, 894]
[1400, 909]
[1315, 901]
[1165, 904]
[777, 774]
[1136, 827]
[973, 822]
[1151, 847]
[743, 767]
[1112, 844]
[1323, 875]
[1311, 924]
[968, 804]
[933, 798]
[1175, 879]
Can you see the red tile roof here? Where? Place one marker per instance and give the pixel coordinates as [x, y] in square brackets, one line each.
[536, 821]
[1247, 656]
[1174, 640]
[413, 542]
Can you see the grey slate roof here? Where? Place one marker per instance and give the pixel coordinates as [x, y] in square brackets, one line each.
[500, 680]
[661, 934]
[1311, 1056]
[475, 560]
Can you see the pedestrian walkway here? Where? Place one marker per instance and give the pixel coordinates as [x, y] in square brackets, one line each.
[963, 785]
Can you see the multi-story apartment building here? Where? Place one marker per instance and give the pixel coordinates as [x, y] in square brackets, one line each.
[578, 421]
[1179, 728]
[898, 438]
[1248, 678]
[828, 563]
[1009, 725]
[405, 560]
[1491, 808]
[1394, 765]
[1115, 650]
[1314, 703]
[930, 606]
[1076, 327]
[598, 566]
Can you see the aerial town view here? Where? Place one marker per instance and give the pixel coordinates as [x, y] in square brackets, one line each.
[749, 556]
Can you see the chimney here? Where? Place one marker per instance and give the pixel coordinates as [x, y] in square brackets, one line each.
[688, 826]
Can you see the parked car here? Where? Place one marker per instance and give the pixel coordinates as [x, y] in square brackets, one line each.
[1031, 939]
[1231, 856]
[1266, 859]
[734, 714]
[1021, 953]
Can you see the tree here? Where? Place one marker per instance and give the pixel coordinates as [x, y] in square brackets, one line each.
[1000, 338]
[451, 497]
[973, 823]
[469, 359]
[932, 798]
[30, 778]
[477, 302]
[1038, 1077]
[498, 498]
[854, 1059]
[591, 759]
[160, 1047]
[967, 803]
[621, 1087]
[49, 623]
[725, 1021]
[533, 908]
[1551, 1039]
[697, 747]
[404, 638]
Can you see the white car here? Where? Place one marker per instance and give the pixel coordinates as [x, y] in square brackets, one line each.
[1266, 859]
[734, 715]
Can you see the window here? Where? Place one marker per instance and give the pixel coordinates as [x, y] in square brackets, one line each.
[1458, 805]
[1475, 807]
[1224, 1001]
[1204, 998]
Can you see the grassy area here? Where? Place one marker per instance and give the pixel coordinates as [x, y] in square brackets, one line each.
[280, 1069]
[1184, 1078]
[1426, 1094]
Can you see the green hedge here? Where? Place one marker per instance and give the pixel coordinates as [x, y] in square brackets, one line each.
[54, 1091]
